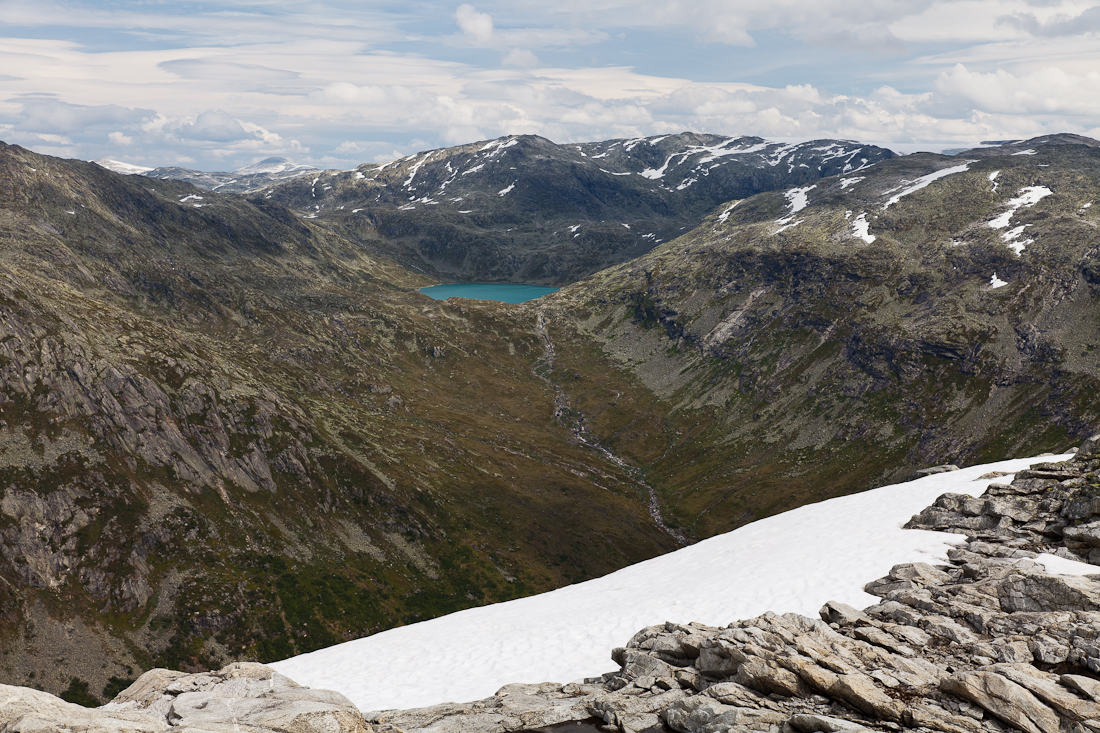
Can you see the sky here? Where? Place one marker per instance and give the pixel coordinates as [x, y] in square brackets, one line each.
[336, 83]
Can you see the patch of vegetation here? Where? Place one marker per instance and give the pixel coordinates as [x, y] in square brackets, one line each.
[77, 693]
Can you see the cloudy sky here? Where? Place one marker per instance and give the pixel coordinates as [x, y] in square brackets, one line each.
[216, 85]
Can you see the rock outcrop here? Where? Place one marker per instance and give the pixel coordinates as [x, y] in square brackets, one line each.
[240, 698]
[992, 642]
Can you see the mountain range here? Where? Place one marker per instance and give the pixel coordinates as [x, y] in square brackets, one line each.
[525, 209]
[246, 179]
[234, 429]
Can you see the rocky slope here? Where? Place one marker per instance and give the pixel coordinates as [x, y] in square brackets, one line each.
[227, 433]
[992, 642]
[837, 335]
[524, 209]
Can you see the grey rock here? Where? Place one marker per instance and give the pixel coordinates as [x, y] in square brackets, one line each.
[835, 612]
[23, 710]
[813, 723]
[1047, 650]
[1003, 698]
[1085, 534]
[1045, 687]
[241, 696]
[1090, 446]
[1086, 686]
[705, 715]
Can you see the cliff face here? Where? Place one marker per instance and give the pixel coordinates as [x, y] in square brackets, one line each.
[839, 334]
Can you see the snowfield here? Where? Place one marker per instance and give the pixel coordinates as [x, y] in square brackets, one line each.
[794, 561]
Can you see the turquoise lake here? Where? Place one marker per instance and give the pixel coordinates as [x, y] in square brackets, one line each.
[506, 292]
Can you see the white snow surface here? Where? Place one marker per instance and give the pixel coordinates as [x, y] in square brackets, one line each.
[795, 561]
[797, 200]
[726, 214]
[1028, 196]
[996, 282]
[861, 228]
[118, 166]
[273, 165]
[923, 181]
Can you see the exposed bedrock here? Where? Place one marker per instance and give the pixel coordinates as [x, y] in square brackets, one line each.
[992, 642]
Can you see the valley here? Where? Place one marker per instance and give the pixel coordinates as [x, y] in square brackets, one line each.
[235, 429]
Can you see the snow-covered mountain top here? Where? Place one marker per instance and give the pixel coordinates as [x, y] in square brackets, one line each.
[273, 165]
[250, 178]
[119, 167]
[794, 561]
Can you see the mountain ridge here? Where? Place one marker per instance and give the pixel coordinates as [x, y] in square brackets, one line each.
[522, 208]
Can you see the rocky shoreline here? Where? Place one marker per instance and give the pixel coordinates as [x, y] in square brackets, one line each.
[992, 642]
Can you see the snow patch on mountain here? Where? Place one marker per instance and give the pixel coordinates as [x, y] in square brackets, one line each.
[861, 228]
[655, 173]
[726, 214]
[272, 165]
[792, 562]
[797, 200]
[127, 169]
[924, 181]
[1027, 197]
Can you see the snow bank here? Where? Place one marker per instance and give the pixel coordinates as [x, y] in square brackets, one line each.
[924, 181]
[794, 561]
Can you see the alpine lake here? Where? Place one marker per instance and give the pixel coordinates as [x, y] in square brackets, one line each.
[505, 292]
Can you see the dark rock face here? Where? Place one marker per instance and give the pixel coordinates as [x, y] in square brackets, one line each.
[524, 209]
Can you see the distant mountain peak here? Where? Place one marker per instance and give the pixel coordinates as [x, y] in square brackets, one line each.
[119, 167]
[273, 165]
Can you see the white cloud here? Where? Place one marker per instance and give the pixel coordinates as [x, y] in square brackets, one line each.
[119, 139]
[1047, 91]
[476, 26]
[1056, 24]
[521, 58]
[215, 126]
[44, 114]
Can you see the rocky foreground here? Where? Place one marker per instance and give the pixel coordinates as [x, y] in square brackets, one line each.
[991, 642]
